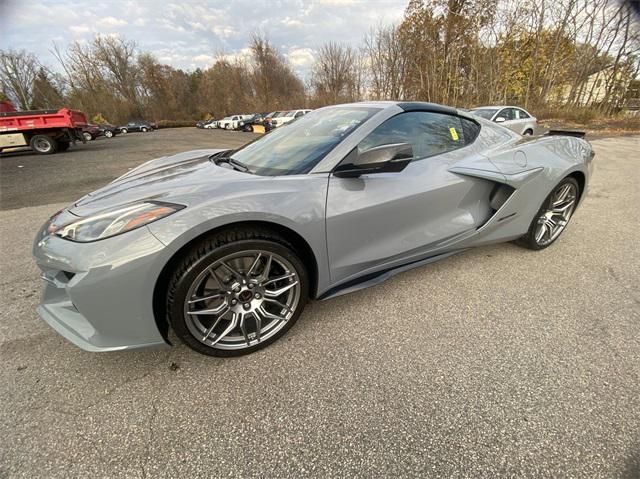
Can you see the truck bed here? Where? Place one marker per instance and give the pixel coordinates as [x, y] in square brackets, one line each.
[41, 120]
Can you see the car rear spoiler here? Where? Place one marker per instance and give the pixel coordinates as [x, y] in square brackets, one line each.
[577, 134]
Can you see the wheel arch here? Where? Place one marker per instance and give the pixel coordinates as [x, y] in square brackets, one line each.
[581, 178]
[301, 246]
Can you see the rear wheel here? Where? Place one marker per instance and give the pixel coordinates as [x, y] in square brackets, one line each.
[528, 132]
[124, 131]
[553, 216]
[143, 129]
[87, 136]
[108, 133]
[236, 292]
[43, 144]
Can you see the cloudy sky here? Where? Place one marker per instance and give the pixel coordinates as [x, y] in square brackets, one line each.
[190, 34]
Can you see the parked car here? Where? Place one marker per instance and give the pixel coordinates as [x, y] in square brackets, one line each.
[256, 123]
[225, 247]
[200, 124]
[109, 130]
[212, 124]
[289, 116]
[513, 117]
[139, 125]
[233, 122]
[91, 132]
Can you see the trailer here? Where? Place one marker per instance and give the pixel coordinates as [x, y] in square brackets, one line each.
[44, 131]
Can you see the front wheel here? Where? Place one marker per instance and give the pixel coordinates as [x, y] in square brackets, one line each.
[87, 136]
[108, 133]
[237, 292]
[143, 130]
[124, 131]
[553, 216]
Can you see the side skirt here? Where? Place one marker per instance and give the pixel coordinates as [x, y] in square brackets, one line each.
[381, 276]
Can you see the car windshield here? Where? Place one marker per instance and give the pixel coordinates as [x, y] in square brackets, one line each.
[299, 147]
[486, 113]
[279, 114]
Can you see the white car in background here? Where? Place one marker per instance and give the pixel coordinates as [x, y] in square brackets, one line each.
[288, 116]
[513, 117]
[232, 122]
[211, 124]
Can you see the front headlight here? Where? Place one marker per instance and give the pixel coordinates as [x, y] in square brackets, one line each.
[115, 221]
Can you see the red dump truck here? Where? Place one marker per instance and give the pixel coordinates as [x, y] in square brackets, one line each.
[45, 131]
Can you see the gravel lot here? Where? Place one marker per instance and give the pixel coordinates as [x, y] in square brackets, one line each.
[496, 362]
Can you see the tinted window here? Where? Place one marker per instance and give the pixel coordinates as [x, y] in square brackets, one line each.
[299, 114]
[428, 133]
[522, 114]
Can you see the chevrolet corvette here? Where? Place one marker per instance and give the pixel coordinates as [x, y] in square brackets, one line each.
[225, 247]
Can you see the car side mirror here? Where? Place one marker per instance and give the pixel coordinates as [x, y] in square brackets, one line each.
[381, 159]
[500, 119]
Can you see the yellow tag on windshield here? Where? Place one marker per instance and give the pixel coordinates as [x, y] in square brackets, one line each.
[454, 133]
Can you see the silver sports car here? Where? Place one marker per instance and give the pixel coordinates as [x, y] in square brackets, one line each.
[226, 247]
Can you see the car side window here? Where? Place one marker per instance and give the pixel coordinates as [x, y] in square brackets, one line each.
[428, 133]
[508, 114]
[298, 115]
[522, 114]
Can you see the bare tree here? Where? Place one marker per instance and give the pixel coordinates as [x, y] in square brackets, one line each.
[387, 63]
[337, 75]
[18, 70]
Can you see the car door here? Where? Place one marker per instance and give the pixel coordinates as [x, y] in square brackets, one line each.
[383, 220]
[525, 122]
[510, 121]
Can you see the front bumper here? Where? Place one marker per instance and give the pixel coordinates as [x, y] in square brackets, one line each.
[99, 295]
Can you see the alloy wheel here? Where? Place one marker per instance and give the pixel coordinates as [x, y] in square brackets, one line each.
[555, 218]
[242, 299]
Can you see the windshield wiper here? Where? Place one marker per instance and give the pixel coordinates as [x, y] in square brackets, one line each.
[220, 157]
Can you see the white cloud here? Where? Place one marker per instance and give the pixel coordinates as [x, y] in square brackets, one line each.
[223, 31]
[80, 28]
[291, 22]
[300, 57]
[112, 22]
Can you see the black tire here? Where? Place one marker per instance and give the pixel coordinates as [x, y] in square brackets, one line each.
[248, 128]
[43, 144]
[202, 255]
[124, 131]
[87, 136]
[108, 133]
[143, 129]
[529, 239]
[528, 132]
[63, 145]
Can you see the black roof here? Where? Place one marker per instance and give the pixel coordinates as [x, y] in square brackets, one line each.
[425, 106]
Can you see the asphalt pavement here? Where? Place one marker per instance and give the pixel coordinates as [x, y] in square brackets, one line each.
[498, 362]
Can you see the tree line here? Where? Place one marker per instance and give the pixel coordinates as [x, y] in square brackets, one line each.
[538, 54]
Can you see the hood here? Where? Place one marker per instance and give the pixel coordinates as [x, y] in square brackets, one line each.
[178, 178]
